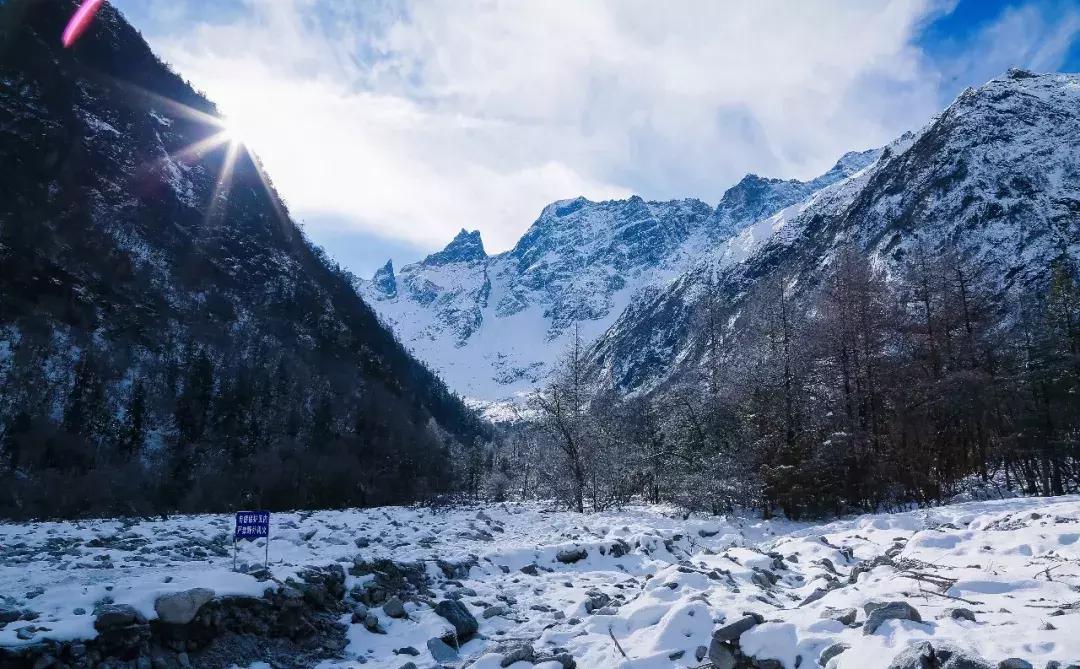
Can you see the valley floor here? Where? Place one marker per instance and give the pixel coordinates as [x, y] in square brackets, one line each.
[642, 587]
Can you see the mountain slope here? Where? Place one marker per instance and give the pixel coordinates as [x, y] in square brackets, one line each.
[995, 177]
[129, 258]
[493, 325]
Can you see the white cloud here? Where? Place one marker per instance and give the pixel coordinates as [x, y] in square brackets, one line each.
[415, 120]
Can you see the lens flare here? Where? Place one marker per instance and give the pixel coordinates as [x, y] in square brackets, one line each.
[80, 21]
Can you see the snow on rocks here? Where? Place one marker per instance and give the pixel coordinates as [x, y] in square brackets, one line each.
[640, 588]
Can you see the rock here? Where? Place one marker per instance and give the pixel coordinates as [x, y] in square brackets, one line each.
[116, 616]
[831, 652]
[890, 611]
[1015, 663]
[371, 623]
[465, 625]
[722, 655]
[842, 616]
[440, 651]
[359, 614]
[407, 665]
[79, 611]
[394, 608]
[496, 610]
[407, 650]
[571, 555]
[529, 569]
[596, 600]
[25, 633]
[520, 653]
[733, 631]
[962, 614]
[943, 655]
[180, 608]
[817, 594]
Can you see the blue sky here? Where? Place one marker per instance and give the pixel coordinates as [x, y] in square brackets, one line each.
[391, 124]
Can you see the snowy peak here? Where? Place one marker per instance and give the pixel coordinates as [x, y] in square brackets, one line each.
[465, 247]
[992, 178]
[384, 280]
[756, 198]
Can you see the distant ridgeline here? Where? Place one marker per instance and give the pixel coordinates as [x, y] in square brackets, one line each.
[168, 338]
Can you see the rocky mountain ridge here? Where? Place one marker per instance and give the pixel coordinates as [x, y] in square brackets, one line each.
[493, 325]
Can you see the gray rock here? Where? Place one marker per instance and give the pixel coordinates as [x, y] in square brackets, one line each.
[440, 651]
[521, 653]
[1015, 663]
[831, 652]
[407, 665]
[700, 652]
[890, 611]
[942, 655]
[114, 616]
[394, 608]
[371, 623]
[180, 608]
[529, 569]
[465, 625]
[571, 555]
[25, 633]
[496, 610]
[722, 655]
[596, 600]
[962, 614]
[842, 616]
[734, 630]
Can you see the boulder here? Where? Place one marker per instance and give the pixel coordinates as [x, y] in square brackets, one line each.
[722, 655]
[831, 652]
[571, 555]
[117, 616]
[842, 616]
[962, 614]
[395, 608]
[940, 655]
[465, 625]
[441, 651]
[1015, 663]
[180, 608]
[596, 600]
[520, 653]
[496, 610]
[733, 631]
[890, 611]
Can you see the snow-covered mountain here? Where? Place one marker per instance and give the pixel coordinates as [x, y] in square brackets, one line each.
[996, 177]
[492, 325]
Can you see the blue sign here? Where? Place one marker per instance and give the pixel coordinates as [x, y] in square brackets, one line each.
[251, 525]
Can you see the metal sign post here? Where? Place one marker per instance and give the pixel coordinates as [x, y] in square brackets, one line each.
[252, 525]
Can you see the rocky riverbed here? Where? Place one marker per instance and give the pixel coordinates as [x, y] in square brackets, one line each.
[981, 584]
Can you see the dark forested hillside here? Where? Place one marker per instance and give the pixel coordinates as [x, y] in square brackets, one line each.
[168, 337]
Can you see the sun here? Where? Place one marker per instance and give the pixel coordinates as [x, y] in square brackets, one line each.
[231, 132]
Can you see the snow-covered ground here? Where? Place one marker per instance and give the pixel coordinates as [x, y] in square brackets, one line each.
[651, 583]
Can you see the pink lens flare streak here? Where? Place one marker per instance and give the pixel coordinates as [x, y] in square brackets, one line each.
[80, 21]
